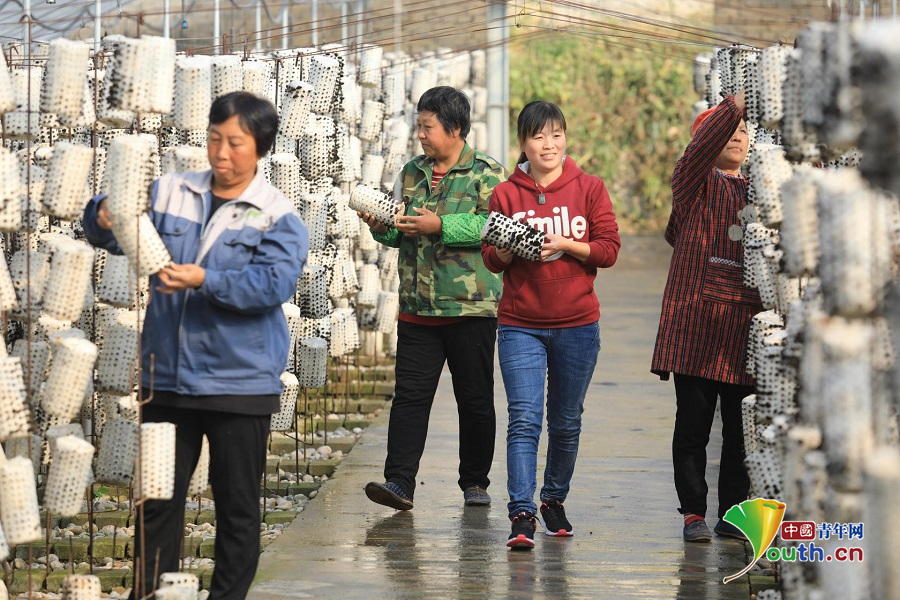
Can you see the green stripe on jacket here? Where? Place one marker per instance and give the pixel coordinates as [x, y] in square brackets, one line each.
[443, 275]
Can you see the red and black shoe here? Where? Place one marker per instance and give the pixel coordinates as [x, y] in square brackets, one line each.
[523, 527]
[555, 521]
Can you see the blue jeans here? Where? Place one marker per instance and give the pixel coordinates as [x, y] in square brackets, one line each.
[566, 357]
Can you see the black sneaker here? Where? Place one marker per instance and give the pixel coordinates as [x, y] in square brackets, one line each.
[523, 528]
[388, 494]
[555, 521]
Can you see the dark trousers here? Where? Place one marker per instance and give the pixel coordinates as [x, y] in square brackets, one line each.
[697, 399]
[468, 349]
[237, 458]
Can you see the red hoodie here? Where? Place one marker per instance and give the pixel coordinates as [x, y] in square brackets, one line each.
[558, 293]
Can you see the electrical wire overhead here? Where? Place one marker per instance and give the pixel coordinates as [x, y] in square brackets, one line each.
[52, 20]
[638, 28]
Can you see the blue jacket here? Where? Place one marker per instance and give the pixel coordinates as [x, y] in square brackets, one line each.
[230, 336]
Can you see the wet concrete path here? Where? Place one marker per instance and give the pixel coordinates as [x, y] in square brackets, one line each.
[622, 504]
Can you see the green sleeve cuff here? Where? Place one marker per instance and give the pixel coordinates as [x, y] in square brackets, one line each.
[462, 229]
[389, 238]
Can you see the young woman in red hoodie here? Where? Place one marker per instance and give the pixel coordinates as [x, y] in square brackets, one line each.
[548, 314]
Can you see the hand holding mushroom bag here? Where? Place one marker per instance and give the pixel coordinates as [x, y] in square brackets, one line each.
[215, 340]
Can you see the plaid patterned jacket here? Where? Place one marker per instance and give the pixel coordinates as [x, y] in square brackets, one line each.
[706, 308]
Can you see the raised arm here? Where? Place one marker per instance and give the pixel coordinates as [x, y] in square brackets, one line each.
[699, 158]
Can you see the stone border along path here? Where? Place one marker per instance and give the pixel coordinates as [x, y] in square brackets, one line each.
[286, 493]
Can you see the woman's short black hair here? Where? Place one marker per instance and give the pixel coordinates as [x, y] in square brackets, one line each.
[534, 117]
[450, 106]
[255, 114]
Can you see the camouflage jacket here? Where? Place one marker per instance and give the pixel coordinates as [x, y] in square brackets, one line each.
[444, 275]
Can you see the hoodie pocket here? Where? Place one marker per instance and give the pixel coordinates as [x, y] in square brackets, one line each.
[555, 300]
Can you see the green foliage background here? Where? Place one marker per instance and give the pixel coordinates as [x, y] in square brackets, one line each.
[628, 114]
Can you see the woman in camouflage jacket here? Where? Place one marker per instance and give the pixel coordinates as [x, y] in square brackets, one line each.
[448, 300]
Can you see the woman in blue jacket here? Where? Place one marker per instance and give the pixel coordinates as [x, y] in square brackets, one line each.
[215, 334]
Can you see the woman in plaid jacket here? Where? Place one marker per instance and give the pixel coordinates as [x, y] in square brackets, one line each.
[706, 312]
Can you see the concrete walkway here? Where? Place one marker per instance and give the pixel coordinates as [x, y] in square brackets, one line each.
[627, 541]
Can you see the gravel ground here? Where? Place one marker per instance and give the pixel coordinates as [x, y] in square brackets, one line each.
[204, 531]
